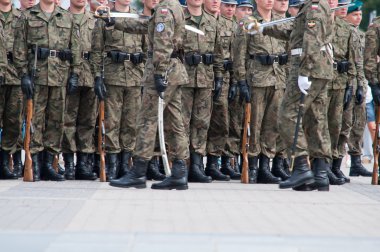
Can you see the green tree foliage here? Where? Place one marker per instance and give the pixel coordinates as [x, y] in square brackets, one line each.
[368, 6]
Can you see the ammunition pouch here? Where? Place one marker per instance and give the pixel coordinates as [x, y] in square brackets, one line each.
[10, 57]
[227, 65]
[342, 66]
[120, 57]
[283, 59]
[270, 59]
[44, 53]
[194, 59]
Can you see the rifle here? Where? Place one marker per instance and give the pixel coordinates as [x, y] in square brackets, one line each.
[298, 124]
[28, 168]
[376, 149]
[101, 135]
[245, 143]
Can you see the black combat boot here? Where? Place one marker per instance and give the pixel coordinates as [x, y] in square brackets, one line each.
[153, 172]
[337, 163]
[301, 174]
[17, 164]
[319, 167]
[5, 172]
[68, 158]
[136, 176]
[264, 175]
[177, 180]
[124, 166]
[82, 170]
[196, 171]
[253, 169]
[112, 160]
[334, 180]
[357, 168]
[228, 170]
[212, 169]
[96, 163]
[286, 166]
[48, 172]
[36, 167]
[278, 169]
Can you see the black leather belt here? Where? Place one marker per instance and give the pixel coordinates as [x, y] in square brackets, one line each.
[44, 53]
[120, 57]
[270, 59]
[174, 55]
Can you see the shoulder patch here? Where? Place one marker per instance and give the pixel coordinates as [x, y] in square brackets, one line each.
[160, 27]
[314, 6]
[164, 11]
[311, 24]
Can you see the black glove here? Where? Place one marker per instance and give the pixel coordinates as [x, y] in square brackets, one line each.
[244, 91]
[375, 89]
[109, 21]
[347, 97]
[160, 84]
[232, 91]
[27, 86]
[100, 88]
[218, 87]
[72, 84]
[359, 95]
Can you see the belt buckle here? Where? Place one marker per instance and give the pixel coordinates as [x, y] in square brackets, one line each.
[53, 53]
[275, 60]
[128, 57]
[335, 66]
[85, 55]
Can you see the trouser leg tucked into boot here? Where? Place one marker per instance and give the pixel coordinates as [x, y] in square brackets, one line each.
[5, 172]
[337, 163]
[177, 180]
[357, 168]
[68, 158]
[153, 172]
[264, 175]
[301, 174]
[253, 169]
[36, 167]
[83, 171]
[278, 169]
[227, 169]
[124, 167]
[48, 172]
[112, 165]
[212, 169]
[17, 164]
[196, 171]
[136, 176]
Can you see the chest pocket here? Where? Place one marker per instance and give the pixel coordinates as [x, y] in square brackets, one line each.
[226, 38]
[37, 29]
[208, 39]
[64, 33]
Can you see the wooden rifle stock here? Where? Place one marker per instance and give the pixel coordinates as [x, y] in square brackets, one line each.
[101, 143]
[245, 143]
[28, 169]
[376, 149]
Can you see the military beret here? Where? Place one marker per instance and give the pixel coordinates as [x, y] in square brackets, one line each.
[183, 2]
[357, 6]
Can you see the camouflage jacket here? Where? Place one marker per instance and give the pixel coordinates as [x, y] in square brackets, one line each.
[11, 76]
[83, 31]
[3, 52]
[344, 45]
[251, 69]
[372, 52]
[202, 75]
[165, 31]
[54, 33]
[312, 31]
[359, 57]
[107, 39]
[227, 28]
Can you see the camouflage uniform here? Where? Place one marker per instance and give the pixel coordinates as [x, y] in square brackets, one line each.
[11, 98]
[372, 52]
[81, 106]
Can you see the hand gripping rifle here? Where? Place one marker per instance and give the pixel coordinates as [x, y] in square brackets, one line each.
[298, 124]
[101, 135]
[28, 169]
[376, 149]
[245, 143]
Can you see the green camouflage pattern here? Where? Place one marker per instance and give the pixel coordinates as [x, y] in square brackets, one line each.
[372, 52]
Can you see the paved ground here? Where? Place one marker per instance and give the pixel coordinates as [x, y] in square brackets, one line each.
[91, 216]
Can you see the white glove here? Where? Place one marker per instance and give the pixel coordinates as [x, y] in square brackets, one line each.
[304, 83]
[255, 28]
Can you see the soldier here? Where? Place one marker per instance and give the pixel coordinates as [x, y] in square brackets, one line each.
[26, 4]
[81, 103]
[95, 4]
[311, 68]
[259, 63]
[48, 28]
[11, 101]
[219, 124]
[164, 74]
[355, 140]
[294, 7]
[203, 61]
[244, 8]
[123, 70]
[357, 168]
[280, 7]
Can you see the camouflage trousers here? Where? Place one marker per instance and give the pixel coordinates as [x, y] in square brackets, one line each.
[264, 130]
[313, 137]
[334, 115]
[236, 114]
[147, 124]
[49, 108]
[79, 121]
[217, 135]
[11, 107]
[196, 109]
[121, 106]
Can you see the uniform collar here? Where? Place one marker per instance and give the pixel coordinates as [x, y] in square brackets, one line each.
[58, 11]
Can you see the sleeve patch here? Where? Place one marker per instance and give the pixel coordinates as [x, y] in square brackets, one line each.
[164, 11]
[311, 24]
[160, 27]
[314, 7]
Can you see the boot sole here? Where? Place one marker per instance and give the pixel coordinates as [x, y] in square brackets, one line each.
[129, 186]
[184, 187]
[306, 182]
